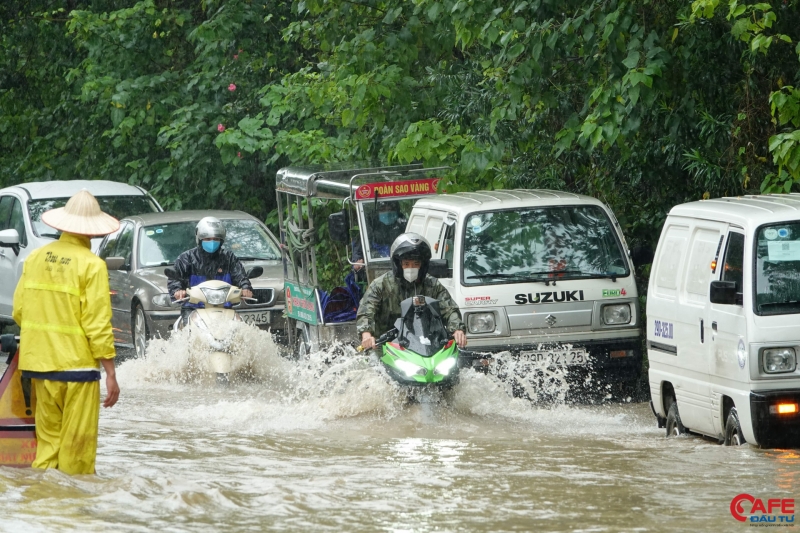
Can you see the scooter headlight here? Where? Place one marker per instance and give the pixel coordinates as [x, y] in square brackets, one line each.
[410, 369]
[215, 296]
[443, 368]
[778, 360]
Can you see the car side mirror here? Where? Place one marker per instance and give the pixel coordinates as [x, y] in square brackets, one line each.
[254, 272]
[438, 269]
[8, 344]
[170, 273]
[642, 255]
[723, 292]
[9, 238]
[338, 226]
[115, 263]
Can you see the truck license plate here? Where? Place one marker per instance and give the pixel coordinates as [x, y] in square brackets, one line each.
[558, 357]
[256, 318]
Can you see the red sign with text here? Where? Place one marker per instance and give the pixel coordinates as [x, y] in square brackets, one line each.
[388, 189]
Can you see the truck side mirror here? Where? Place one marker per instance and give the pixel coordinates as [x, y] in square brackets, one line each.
[723, 292]
[9, 238]
[438, 269]
[642, 255]
[254, 272]
[338, 227]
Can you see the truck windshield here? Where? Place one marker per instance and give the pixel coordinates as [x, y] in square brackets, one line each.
[384, 223]
[540, 244]
[778, 269]
[118, 207]
[161, 244]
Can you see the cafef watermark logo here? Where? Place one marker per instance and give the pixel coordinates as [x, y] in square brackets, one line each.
[775, 511]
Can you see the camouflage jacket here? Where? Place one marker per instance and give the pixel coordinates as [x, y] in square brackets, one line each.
[380, 306]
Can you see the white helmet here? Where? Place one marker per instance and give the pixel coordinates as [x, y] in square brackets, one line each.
[209, 228]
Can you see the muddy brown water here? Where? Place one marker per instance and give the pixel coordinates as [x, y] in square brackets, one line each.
[338, 447]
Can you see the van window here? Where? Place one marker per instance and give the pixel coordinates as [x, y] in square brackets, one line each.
[565, 242]
[778, 269]
[733, 269]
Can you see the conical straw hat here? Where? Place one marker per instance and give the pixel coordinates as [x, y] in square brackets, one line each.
[81, 215]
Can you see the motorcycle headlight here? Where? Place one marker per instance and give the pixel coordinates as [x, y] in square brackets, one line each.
[443, 368]
[778, 360]
[481, 322]
[215, 296]
[616, 314]
[410, 368]
[162, 300]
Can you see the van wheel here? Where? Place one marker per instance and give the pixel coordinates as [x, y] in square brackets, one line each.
[674, 424]
[733, 430]
[140, 333]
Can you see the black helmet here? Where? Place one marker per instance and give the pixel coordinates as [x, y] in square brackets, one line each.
[410, 246]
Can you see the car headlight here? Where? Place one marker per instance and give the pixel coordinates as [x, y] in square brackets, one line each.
[778, 360]
[410, 368]
[215, 296]
[162, 300]
[617, 314]
[481, 322]
[443, 368]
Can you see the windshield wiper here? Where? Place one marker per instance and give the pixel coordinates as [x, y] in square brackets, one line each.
[612, 275]
[255, 258]
[51, 235]
[516, 277]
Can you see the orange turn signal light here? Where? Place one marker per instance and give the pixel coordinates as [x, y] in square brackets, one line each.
[713, 266]
[783, 409]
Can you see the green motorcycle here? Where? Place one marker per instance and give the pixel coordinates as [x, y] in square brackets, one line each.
[418, 350]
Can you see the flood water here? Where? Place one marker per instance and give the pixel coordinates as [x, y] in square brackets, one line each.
[335, 446]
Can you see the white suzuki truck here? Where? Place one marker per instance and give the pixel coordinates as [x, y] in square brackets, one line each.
[544, 274]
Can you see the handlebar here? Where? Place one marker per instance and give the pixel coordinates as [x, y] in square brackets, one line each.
[386, 337]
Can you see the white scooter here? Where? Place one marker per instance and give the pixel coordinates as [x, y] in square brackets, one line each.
[213, 322]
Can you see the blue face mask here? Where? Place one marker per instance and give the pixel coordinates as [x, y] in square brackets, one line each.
[210, 246]
[388, 217]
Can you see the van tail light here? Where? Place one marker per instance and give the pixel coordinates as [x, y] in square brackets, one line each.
[617, 354]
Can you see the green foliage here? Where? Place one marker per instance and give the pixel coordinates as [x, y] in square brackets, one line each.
[641, 104]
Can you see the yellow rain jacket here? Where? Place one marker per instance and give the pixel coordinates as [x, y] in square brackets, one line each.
[63, 307]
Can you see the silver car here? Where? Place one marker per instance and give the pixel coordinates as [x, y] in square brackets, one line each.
[145, 245]
[22, 229]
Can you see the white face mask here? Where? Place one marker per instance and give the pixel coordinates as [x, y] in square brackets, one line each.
[410, 274]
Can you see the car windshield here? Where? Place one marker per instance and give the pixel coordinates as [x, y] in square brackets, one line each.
[161, 244]
[571, 242]
[778, 269]
[118, 207]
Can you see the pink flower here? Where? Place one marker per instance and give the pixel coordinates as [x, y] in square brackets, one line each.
[239, 155]
[220, 128]
[231, 87]
[235, 57]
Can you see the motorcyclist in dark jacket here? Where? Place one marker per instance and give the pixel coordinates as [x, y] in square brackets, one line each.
[380, 306]
[207, 261]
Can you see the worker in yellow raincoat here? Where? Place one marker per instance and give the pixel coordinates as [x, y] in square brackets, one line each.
[63, 308]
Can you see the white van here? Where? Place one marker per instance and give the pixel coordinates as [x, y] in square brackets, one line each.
[545, 274]
[723, 309]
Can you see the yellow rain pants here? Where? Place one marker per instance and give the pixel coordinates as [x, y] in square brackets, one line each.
[67, 418]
